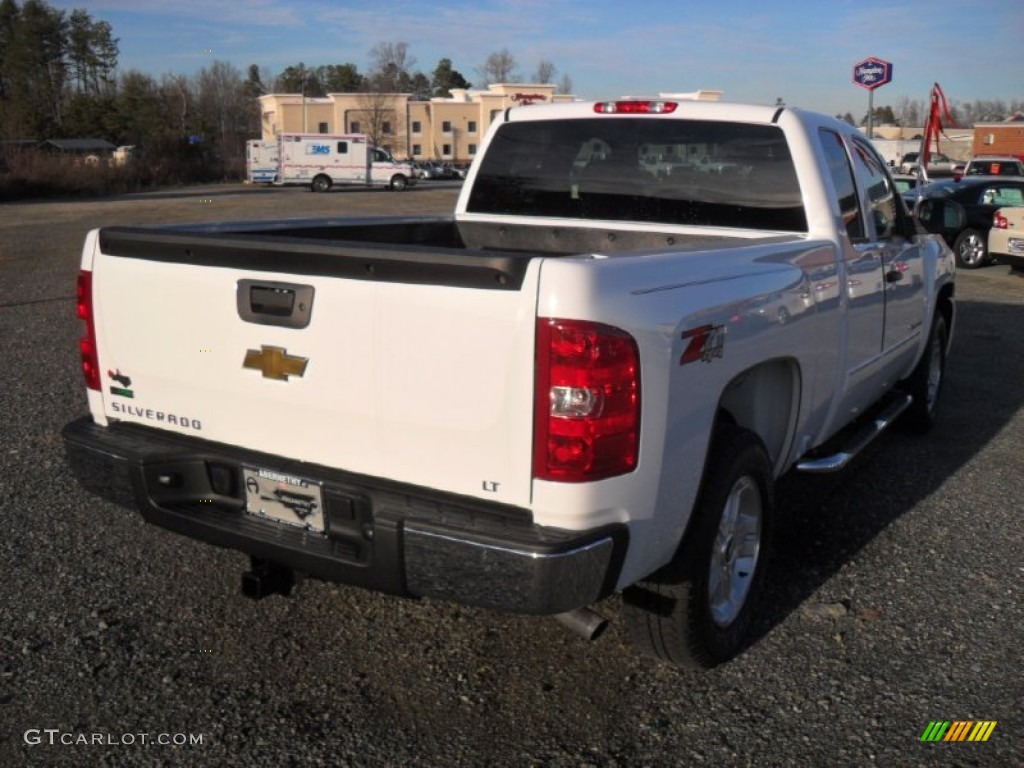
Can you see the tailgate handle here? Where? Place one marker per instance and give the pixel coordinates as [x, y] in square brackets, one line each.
[266, 302]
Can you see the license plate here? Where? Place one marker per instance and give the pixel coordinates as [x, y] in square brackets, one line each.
[1016, 245]
[284, 498]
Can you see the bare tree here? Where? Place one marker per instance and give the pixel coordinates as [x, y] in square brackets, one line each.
[908, 112]
[222, 104]
[500, 67]
[390, 67]
[545, 71]
[379, 119]
[565, 84]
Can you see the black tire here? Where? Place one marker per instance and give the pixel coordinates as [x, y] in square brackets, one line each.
[925, 383]
[677, 614]
[971, 249]
[399, 182]
[321, 183]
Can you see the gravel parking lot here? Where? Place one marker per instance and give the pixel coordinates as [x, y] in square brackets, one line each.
[895, 591]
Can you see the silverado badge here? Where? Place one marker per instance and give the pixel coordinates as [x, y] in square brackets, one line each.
[274, 363]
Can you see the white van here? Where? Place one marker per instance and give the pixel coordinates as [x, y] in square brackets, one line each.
[322, 161]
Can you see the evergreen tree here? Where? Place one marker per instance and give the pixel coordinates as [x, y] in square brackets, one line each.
[445, 78]
[342, 78]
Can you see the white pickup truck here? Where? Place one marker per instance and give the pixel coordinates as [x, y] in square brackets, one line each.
[586, 380]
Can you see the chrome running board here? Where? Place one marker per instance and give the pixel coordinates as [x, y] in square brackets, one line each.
[859, 440]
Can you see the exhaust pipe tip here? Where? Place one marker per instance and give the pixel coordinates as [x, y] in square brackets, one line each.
[585, 622]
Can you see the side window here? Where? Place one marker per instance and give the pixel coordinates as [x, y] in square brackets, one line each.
[881, 193]
[842, 180]
[342, 147]
[1002, 196]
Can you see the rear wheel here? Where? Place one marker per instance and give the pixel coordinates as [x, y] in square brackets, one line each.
[970, 249]
[695, 611]
[321, 183]
[925, 383]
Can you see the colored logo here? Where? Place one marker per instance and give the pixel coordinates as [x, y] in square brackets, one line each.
[872, 73]
[958, 730]
[704, 343]
[124, 380]
[275, 363]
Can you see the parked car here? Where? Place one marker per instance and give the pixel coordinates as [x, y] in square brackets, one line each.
[994, 165]
[1006, 238]
[426, 171]
[980, 197]
[434, 171]
[938, 164]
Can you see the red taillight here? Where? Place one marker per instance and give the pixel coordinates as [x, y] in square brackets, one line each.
[635, 107]
[1000, 222]
[587, 409]
[87, 344]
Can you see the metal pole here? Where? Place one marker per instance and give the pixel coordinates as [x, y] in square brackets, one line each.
[871, 113]
[303, 99]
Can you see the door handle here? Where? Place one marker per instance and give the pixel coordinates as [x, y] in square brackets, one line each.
[267, 302]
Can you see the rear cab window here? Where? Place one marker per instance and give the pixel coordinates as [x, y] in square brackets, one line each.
[682, 172]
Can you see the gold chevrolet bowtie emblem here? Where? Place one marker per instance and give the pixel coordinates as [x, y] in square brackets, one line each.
[275, 363]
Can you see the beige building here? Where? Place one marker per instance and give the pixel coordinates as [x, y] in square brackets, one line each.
[449, 129]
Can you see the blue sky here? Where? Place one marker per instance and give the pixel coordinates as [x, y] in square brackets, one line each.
[754, 50]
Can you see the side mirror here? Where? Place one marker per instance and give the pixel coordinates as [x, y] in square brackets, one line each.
[940, 216]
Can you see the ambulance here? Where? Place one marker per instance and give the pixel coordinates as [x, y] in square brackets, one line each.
[323, 161]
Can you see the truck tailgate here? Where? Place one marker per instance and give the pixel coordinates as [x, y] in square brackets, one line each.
[428, 384]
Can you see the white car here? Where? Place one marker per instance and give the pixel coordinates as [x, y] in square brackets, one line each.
[1006, 238]
[994, 165]
[938, 164]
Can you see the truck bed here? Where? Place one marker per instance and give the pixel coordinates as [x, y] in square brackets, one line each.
[423, 250]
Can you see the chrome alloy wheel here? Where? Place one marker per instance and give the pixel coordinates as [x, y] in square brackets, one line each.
[972, 250]
[735, 552]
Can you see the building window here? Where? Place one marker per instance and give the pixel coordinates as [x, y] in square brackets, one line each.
[446, 126]
[355, 127]
[386, 128]
[472, 149]
[446, 150]
[471, 126]
[417, 150]
[417, 127]
[323, 128]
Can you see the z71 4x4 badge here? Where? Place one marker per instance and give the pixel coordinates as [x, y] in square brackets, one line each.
[705, 344]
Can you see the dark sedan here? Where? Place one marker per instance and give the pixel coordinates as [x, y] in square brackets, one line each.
[980, 197]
